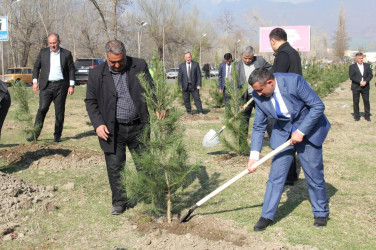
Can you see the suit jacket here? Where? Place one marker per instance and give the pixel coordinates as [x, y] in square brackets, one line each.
[305, 107]
[356, 76]
[42, 66]
[183, 75]
[101, 97]
[222, 75]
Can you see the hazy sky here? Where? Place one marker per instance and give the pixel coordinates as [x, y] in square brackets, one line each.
[322, 15]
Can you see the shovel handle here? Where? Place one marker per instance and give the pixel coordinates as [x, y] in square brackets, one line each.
[247, 104]
[244, 172]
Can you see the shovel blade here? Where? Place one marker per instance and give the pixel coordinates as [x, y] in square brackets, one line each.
[210, 139]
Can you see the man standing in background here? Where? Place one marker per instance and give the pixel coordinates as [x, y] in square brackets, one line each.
[287, 60]
[244, 68]
[189, 79]
[360, 75]
[224, 73]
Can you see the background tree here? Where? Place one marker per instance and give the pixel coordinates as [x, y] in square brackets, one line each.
[341, 40]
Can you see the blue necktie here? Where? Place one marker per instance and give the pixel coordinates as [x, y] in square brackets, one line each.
[279, 113]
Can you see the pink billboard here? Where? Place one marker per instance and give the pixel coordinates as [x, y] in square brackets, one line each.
[299, 37]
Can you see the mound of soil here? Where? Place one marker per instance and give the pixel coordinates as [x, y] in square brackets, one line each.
[52, 156]
[16, 195]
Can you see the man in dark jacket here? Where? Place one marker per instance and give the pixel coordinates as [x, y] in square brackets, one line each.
[118, 112]
[287, 60]
[360, 75]
[4, 103]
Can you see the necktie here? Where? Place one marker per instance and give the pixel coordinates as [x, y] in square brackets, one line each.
[279, 113]
[277, 107]
[189, 72]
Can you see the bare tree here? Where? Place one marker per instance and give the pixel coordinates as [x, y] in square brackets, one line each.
[341, 40]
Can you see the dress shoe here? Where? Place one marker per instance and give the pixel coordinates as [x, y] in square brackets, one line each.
[57, 138]
[31, 138]
[356, 119]
[320, 221]
[117, 210]
[262, 224]
[368, 119]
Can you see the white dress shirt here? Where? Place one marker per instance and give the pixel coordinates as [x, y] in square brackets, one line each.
[361, 68]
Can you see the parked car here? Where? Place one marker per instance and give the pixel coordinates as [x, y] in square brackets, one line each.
[172, 73]
[83, 67]
[19, 73]
[214, 72]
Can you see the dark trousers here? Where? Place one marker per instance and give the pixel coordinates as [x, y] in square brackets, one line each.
[364, 91]
[4, 107]
[125, 136]
[187, 100]
[57, 93]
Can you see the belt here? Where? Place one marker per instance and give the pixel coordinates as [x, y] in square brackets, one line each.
[131, 123]
[55, 81]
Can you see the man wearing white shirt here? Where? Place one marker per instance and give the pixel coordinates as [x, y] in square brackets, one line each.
[360, 75]
[53, 77]
[299, 117]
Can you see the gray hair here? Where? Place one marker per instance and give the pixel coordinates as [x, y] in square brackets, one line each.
[54, 34]
[115, 47]
[248, 50]
[261, 76]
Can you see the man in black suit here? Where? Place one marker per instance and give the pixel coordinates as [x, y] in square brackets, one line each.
[118, 113]
[5, 101]
[287, 60]
[55, 69]
[189, 80]
[360, 74]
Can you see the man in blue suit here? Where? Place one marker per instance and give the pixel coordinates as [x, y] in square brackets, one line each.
[300, 118]
[224, 73]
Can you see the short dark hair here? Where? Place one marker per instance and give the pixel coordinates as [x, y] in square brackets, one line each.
[227, 56]
[278, 34]
[261, 76]
[358, 54]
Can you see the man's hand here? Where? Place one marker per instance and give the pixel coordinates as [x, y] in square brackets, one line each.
[362, 83]
[198, 87]
[102, 132]
[35, 87]
[162, 115]
[221, 90]
[70, 90]
[250, 164]
[296, 137]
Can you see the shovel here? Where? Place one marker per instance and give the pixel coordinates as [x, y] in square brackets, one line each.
[212, 138]
[234, 179]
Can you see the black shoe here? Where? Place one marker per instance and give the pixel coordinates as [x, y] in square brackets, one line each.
[368, 119]
[117, 210]
[289, 183]
[357, 119]
[262, 224]
[31, 138]
[57, 138]
[320, 221]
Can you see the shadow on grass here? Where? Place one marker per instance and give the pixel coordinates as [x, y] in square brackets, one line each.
[8, 145]
[91, 132]
[207, 185]
[31, 156]
[296, 195]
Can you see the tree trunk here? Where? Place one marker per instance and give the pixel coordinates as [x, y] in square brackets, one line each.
[168, 196]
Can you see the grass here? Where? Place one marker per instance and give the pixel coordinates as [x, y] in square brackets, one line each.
[83, 219]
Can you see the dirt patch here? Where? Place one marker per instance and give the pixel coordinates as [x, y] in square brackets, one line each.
[52, 157]
[16, 195]
[200, 233]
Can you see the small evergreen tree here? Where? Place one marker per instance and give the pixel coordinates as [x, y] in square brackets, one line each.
[163, 165]
[234, 116]
[23, 114]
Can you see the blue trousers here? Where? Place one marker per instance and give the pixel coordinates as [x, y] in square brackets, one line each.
[311, 159]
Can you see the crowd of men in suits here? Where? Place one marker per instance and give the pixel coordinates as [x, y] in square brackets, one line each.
[285, 106]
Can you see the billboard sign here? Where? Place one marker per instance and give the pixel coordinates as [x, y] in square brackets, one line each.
[299, 37]
[4, 28]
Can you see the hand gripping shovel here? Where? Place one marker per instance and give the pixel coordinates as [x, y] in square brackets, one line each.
[234, 179]
[212, 138]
